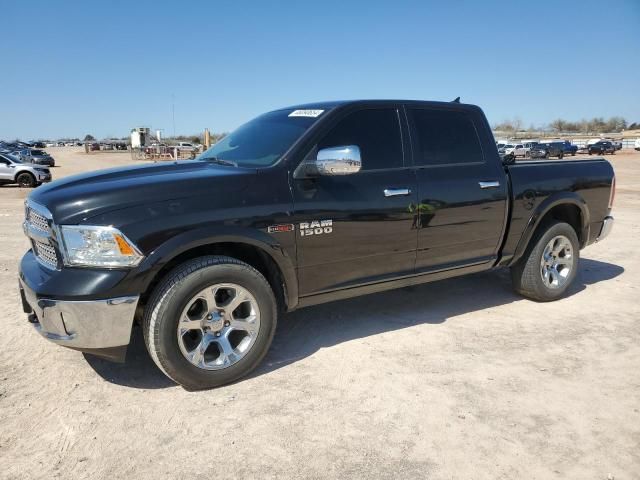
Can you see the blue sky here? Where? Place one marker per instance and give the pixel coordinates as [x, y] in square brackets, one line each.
[72, 68]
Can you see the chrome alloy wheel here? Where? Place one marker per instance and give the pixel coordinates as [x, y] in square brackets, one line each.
[218, 326]
[556, 262]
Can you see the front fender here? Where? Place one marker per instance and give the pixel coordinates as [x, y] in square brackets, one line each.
[560, 198]
[199, 237]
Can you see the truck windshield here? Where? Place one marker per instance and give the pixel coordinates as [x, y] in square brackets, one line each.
[263, 140]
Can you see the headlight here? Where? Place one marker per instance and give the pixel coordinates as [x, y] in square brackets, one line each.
[93, 246]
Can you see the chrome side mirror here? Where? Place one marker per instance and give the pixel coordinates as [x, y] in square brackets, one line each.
[343, 160]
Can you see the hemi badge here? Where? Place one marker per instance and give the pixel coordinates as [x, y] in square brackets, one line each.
[287, 227]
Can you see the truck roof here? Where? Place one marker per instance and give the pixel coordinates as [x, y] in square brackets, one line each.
[328, 105]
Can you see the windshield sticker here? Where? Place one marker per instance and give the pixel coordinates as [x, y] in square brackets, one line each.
[306, 113]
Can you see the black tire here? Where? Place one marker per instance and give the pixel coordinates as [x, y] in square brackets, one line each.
[171, 296]
[26, 180]
[560, 155]
[526, 273]
[527, 154]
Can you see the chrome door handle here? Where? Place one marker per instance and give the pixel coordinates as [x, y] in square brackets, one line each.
[485, 185]
[396, 192]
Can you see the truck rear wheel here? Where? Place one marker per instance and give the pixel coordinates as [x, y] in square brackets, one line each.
[549, 265]
[210, 322]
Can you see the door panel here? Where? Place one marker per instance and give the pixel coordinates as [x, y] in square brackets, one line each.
[462, 197]
[372, 236]
[6, 172]
[348, 230]
[459, 221]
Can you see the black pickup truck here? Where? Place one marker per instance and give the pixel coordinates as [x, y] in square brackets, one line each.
[297, 207]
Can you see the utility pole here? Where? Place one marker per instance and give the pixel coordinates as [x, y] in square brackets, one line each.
[173, 113]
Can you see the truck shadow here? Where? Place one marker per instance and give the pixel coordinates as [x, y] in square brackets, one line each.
[304, 332]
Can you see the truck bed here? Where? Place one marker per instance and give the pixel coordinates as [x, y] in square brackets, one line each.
[536, 185]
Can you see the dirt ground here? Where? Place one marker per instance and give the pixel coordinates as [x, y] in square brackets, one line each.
[460, 379]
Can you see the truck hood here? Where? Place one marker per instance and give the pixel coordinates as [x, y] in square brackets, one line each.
[75, 199]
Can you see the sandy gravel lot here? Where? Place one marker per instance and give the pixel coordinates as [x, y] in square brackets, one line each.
[460, 379]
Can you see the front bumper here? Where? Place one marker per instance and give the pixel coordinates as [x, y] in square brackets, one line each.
[101, 327]
[43, 177]
[607, 225]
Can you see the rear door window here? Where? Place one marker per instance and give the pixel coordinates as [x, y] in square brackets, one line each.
[445, 137]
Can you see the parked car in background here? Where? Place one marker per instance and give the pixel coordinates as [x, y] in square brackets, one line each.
[569, 148]
[617, 144]
[37, 144]
[37, 157]
[120, 146]
[524, 149]
[601, 147]
[60, 144]
[26, 175]
[546, 150]
[9, 147]
[555, 147]
[94, 146]
[187, 147]
[519, 150]
[507, 148]
[636, 145]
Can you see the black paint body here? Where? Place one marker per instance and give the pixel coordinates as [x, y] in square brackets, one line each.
[446, 227]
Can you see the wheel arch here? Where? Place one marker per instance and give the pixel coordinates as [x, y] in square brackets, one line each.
[567, 207]
[20, 172]
[257, 249]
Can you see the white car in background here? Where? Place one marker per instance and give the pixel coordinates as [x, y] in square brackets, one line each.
[518, 149]
[187, 147]
[507, 148]
[521, 150]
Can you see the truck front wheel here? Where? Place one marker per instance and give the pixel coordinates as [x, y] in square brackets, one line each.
[210, 322]
[549, 265]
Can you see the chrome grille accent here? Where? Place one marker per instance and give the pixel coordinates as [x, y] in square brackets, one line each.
[37, 220]
[46, 253]
[38, 226]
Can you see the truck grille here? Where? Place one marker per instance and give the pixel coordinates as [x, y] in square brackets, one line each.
[39, 228]
[37, 220]
[46, 253]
